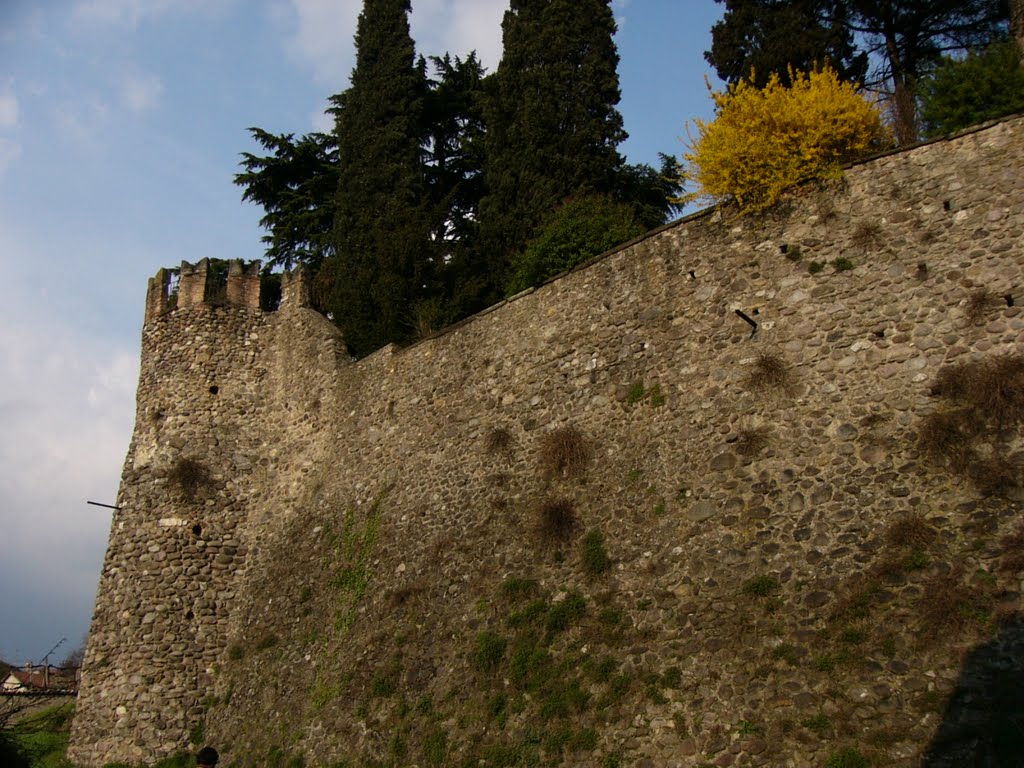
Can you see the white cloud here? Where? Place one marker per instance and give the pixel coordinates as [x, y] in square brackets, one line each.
[321, 120]
[141, 91]
[82, 122]
[67, 405]
[458, 27]
[132, 12]
[8, 110]
[324, 32]
[324, 38]
[10, 151]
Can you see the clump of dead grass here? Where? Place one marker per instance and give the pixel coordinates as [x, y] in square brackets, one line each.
[946, 436]
[499, 440]
[751, 441]
[769, 372]
[997, 474]
[557, 520]
[950, 606]
[992, 388]
[982, 410]
[1013, 549]
[866, 234]
[911, 530]
[564, 451]
[979, 302]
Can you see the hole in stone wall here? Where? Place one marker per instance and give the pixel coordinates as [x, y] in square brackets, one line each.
[189, 616]
[214, 389]
[880, 333]
[693, 275]
[1009, 299]
[946, 205]
[784, 248]
[197, 529]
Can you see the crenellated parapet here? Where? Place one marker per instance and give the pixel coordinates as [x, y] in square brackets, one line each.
[207, 283]
[204, 283]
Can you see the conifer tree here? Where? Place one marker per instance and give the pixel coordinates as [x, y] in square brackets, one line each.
[381, 213]
[454, 150]
[553, 127]
[756, 39]
[295, 186]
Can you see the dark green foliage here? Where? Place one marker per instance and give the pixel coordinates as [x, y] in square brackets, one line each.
[490, 648]
[848, 757]
[909, 38]
[904, 40]
[595, 556]
[563, 614]
[10, 755]
[454, 147]
[650, 190]
[435, 748]
[382, 216]
[761, 586]
[518, 589]
[983, 85]
[771, 36]
[37, 738]
[552, 124]
[295, 184]
[575, 232]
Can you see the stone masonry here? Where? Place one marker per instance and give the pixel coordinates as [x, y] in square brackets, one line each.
[244, 414]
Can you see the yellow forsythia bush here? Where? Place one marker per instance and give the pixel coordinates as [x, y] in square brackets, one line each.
[763, 141]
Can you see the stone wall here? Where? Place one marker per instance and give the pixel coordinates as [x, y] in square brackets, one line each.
[346, 506]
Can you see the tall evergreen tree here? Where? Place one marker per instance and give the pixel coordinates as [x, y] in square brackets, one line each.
[295, 185]
[455, 130]
[381, 258]
[552, 124]
[766, 37]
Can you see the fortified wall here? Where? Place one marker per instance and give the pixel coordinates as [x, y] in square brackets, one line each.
[311, 555]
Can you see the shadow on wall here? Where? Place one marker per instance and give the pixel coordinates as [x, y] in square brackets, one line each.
[983, 726]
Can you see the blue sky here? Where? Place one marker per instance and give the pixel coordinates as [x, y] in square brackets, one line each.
[121, 124]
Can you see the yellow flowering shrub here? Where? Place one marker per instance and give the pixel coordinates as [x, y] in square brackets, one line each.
[763, 141]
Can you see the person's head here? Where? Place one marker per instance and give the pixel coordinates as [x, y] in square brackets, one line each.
[207, 757]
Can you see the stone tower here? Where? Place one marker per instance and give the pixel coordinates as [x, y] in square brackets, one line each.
[178, 542]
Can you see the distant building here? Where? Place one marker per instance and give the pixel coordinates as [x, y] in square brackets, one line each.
[43, 679]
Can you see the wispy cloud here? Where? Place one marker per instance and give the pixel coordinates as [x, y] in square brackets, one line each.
[10, 151]
[8, 110]
[323, 37]
[324, 31]
[458, 27]
[141, 91]
[82, 122]
[66, 401]
[132, 12]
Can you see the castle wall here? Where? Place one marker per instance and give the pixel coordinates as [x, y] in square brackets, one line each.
[644, 353]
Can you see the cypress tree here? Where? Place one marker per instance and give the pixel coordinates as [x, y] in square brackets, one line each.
[553, 127]
[381, 224]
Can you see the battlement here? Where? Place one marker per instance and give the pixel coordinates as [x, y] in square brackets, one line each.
[215, 283]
